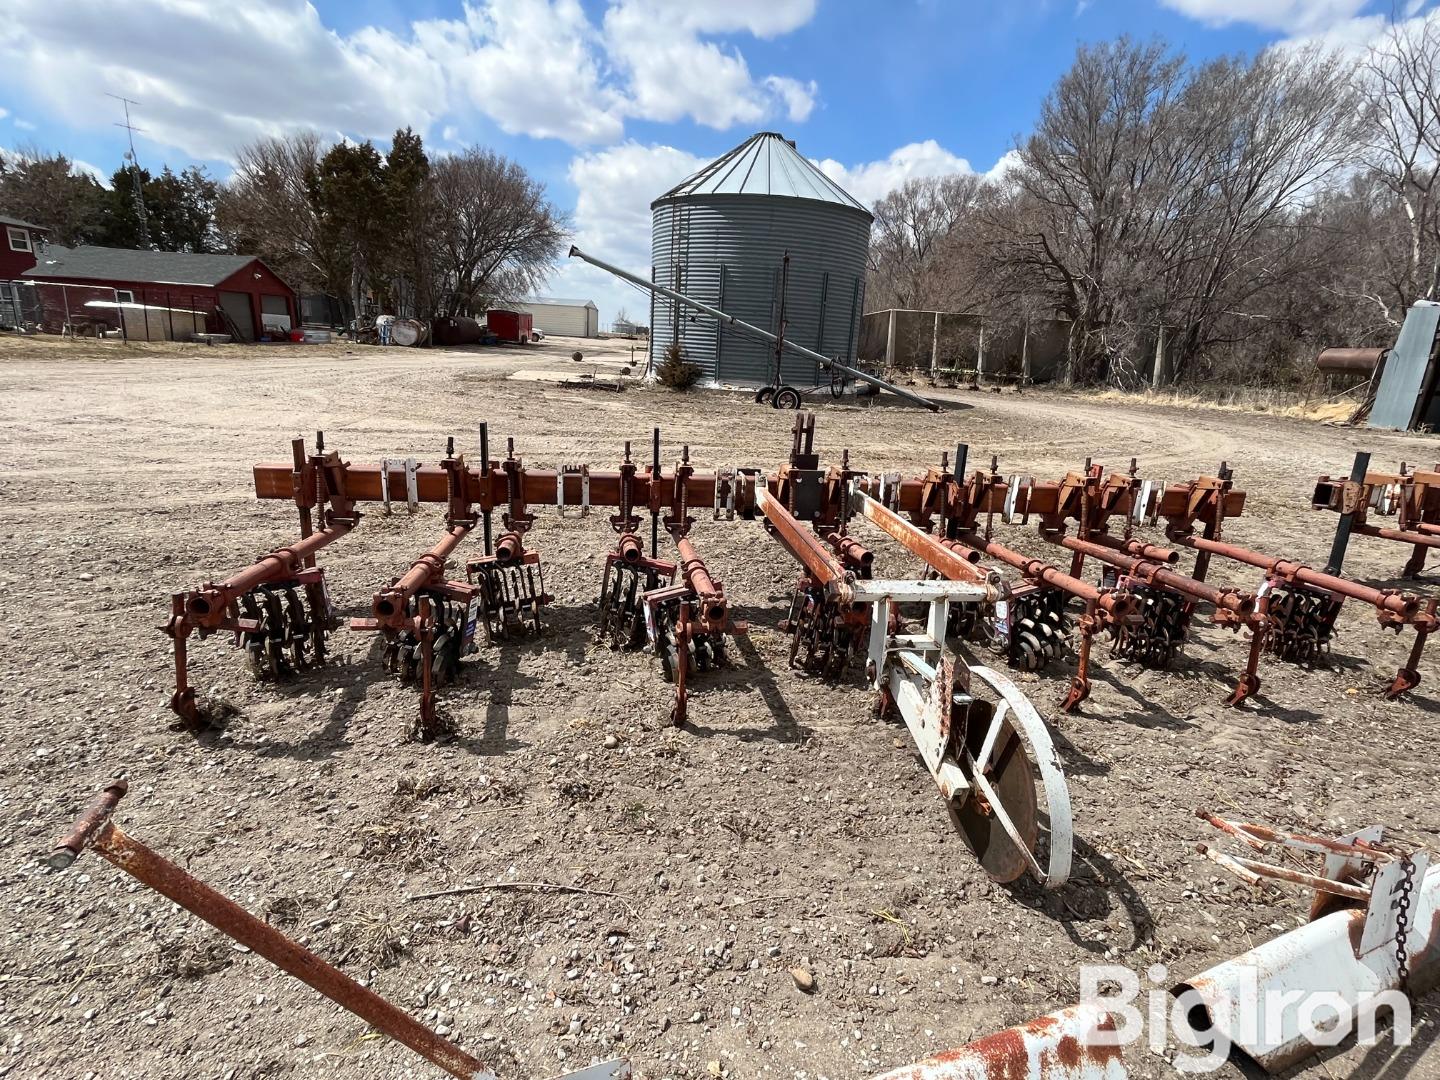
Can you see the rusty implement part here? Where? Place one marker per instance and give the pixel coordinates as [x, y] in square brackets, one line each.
[686, 624]
[805, 547]
[96, 831]
[629, 575]
[512, 589]
[854, 556]
[1372, 938]
[277, 608]
[1078, 1043]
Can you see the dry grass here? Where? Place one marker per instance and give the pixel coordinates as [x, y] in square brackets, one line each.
[1249, 399]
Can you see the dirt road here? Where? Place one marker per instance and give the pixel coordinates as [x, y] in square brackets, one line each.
[784, 827]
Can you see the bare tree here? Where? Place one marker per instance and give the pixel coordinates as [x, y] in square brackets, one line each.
[493, 231]
[268, 209]
[911, 226]
[1400, 86]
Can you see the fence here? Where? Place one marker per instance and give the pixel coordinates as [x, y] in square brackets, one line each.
[101, 311]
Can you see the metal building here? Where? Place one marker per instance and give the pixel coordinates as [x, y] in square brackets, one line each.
[721, 236]
[563, 318]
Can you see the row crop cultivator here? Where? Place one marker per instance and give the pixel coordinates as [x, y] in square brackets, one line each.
[980, 737]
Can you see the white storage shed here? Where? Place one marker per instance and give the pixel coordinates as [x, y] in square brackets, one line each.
[564, 318]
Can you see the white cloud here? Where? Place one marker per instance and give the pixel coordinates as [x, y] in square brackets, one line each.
[224, 76]
[24, 125]
[612, 220]
[1287, 16]
[100, 176]
[532, 67]
[672, 72]
[875, 179]
[210, 77]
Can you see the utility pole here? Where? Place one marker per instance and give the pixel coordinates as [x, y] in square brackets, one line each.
[134, 169]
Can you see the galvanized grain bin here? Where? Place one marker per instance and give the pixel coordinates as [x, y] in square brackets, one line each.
[721, 236]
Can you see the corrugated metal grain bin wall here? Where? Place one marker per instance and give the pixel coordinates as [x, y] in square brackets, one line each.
[721, 237]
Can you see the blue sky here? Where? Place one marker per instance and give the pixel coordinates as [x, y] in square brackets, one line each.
[610, 102]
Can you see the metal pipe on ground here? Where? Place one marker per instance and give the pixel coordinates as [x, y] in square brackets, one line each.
[96, 831]
[749, 328]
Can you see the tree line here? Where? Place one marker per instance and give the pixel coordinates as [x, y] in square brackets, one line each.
[1240, 213]
[398, 231]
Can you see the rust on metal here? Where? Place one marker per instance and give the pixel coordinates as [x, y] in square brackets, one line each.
[174, 883]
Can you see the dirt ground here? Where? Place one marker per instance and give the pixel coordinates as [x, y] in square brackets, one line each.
[784, 826]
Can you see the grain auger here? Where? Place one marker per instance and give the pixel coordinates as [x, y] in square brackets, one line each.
[277, 608]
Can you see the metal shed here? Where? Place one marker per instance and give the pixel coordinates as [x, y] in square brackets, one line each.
[564, 318]
[721, 237]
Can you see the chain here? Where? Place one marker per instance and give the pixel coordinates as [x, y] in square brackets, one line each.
[1402, 922]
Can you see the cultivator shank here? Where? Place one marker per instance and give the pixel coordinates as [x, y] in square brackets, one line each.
[278, 608]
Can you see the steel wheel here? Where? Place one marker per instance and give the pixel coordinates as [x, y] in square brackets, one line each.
[1007, 748]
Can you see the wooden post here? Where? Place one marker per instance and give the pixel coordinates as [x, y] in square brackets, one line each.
[1025, 352]
[890, 341]
[980, 352]
[935, 345]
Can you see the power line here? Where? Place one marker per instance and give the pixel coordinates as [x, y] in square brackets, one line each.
[134, 168]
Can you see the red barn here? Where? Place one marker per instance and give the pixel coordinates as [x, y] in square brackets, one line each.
[253, 300]
[17, 253]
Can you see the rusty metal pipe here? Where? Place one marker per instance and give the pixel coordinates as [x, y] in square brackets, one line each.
[274, 480]
[1153, 573]
[1136, 549]
[851, 551]
[1402, 604]
[1404, 536]
[804, 545]
[211, 599]
[231, 919]
[429, 568]
[1040, 571]
[509, 548]
[630, 548]
[943, 559]
[697, 576]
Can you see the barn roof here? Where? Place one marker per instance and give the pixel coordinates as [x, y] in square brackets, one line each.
[124, 264]
[557, 301]
[767, 163]
[6, 219]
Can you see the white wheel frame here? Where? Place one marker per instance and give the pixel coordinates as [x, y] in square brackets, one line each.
[1025, 721]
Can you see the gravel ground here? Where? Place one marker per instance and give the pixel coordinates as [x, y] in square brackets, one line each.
[784, 827]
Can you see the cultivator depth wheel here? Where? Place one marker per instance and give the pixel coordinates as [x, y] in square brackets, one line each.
[1016, 816]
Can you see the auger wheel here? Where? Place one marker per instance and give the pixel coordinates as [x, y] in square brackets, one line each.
[1016, 815]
